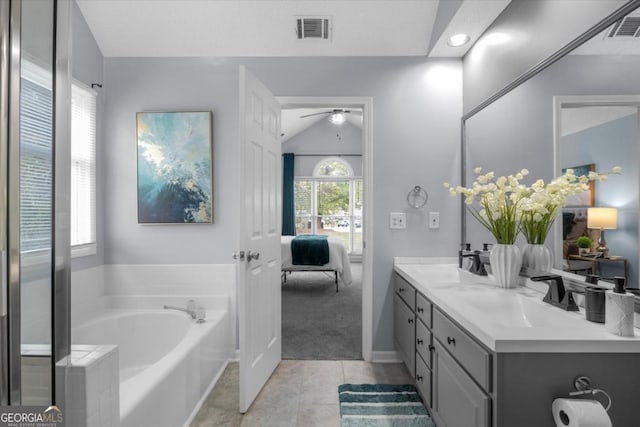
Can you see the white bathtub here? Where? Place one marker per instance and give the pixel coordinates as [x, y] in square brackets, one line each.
[167, 361]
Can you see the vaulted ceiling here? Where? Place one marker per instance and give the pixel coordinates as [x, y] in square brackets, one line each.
[165, 28]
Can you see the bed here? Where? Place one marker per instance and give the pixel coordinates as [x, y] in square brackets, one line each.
[338, 261]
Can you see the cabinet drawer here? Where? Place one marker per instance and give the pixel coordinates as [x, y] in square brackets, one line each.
[471, 356]
[423, 341]
[423, 380]
[424, 309]
[406, 291]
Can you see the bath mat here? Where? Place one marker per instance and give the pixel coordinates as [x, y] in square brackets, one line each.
[378, 405]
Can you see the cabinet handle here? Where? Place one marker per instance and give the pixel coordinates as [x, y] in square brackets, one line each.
[410, 320]
[419, 377]
[419, 341]
[451, 340]
[401, 290]
[420, 310]
[431, 347]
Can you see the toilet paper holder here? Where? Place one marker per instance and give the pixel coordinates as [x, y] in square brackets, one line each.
[582, 385]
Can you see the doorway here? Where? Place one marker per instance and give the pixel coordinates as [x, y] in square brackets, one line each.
[333, 198]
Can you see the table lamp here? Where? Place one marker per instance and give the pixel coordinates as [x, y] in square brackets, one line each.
[602, 219]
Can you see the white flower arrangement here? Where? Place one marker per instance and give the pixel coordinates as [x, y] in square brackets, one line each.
[545, 201]
[505, 207]
[495, 202]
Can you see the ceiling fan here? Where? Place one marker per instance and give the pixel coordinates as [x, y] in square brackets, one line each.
[336, 115]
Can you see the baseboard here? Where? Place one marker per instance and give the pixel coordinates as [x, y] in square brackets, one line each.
[198, 406]
[376, 357]
[385, 357]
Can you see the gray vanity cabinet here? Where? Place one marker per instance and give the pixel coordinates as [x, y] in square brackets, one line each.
[404, 324]
[457, 400]
[405, 332]
[413, 336]
[451, 370]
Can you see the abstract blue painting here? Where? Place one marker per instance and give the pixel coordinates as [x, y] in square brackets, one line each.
[174, 167]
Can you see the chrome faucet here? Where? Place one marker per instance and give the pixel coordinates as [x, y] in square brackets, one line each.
[197, 314]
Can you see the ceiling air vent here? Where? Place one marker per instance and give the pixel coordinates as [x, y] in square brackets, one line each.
[629, 26]
[313, 28]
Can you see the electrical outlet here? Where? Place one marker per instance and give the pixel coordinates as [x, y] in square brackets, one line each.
[434, 219]
[397, 220]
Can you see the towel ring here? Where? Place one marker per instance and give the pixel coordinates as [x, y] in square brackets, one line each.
[417, 197]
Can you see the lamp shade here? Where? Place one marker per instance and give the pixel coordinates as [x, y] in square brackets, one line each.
[602, 218]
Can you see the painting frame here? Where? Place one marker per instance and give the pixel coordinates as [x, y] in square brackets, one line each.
[586, 198]
[174, 167]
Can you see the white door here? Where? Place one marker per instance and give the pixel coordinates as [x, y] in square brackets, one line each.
[258, 271]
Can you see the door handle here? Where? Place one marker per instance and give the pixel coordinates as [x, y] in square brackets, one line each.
[252, 255]
[238, 255]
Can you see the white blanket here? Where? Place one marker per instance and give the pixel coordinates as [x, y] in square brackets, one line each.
[338, 259]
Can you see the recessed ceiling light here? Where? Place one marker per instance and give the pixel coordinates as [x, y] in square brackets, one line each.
[458, 40]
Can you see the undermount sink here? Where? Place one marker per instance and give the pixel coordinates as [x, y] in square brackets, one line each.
[517, 311]
[478, 297]
[447, 273]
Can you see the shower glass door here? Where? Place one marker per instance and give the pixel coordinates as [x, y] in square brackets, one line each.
[36, 200]
[29, 144]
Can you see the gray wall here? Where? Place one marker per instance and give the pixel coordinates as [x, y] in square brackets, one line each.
[517, 130]
[608, 145]
[320, 138]
[535, 30]
[417, 107]
[87, 67]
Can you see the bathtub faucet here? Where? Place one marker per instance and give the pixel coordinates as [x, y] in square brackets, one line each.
[196, 314]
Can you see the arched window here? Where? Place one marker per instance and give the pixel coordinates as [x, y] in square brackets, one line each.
[330, 202]
[333, 167]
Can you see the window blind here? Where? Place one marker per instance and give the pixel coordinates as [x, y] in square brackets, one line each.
[36, 129]
[83, 165]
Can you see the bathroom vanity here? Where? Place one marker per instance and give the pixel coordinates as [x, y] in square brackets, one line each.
[484, 356]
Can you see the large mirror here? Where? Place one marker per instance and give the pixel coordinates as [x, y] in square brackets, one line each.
[580, 111]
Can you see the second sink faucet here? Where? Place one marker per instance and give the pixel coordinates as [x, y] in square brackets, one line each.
[196, 314]
[477, 266]
[557, 294]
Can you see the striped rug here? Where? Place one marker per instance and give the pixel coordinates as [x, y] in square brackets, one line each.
[382, 405]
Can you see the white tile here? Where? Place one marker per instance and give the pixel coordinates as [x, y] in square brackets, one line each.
[77, 390]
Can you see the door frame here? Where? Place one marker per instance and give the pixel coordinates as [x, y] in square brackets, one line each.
[366, 104]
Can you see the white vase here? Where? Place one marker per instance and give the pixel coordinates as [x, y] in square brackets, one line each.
[537, 257]
[506, 261]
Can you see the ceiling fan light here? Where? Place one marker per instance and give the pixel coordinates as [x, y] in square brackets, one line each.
[337, 118]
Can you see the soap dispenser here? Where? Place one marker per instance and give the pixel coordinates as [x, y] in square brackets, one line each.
[619, 310]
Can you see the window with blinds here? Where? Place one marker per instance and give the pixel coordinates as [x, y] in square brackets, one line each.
[36, 179]
[36, 164]
[83, 166]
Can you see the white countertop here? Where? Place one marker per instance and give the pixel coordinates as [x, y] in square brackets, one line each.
[509, 320]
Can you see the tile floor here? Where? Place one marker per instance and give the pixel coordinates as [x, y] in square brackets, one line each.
[299, 393]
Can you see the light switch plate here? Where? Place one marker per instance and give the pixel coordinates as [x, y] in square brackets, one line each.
[434, 219]
[397, 220]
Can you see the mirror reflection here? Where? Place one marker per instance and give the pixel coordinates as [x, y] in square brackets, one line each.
[594, 131]
[547, 124]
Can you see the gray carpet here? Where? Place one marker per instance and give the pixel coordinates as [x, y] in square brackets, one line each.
[317, 322]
